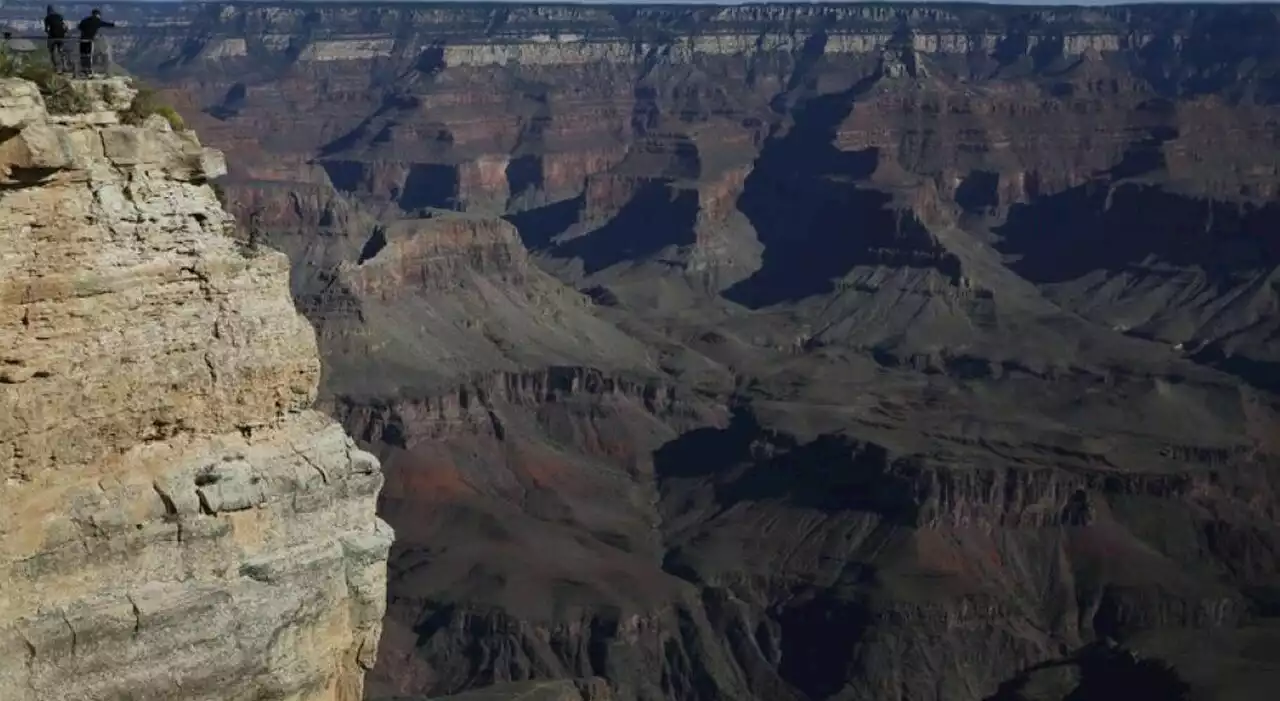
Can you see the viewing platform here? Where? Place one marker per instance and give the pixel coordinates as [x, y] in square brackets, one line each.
[64, 55]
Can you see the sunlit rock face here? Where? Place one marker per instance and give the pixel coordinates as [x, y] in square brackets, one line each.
[175, 521]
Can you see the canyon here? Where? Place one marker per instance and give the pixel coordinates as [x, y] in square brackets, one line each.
[779, 352]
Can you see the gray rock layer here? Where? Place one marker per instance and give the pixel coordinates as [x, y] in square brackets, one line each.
[175, 521]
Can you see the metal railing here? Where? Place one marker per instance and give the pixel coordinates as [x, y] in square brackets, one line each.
[71, 56]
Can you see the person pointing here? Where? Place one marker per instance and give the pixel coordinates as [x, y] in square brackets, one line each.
[89, 27]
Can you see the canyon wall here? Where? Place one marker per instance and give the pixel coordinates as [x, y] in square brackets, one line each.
[611, 134]
[176, 521]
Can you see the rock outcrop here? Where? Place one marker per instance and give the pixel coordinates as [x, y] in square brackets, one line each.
[449, 296]
[176, 522]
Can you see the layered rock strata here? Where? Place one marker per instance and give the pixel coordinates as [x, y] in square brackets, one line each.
[669, 137]
[175, 521]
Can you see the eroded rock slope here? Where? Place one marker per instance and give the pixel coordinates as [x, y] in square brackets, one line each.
[176, 522]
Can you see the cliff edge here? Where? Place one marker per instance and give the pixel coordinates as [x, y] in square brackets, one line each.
[176, 522]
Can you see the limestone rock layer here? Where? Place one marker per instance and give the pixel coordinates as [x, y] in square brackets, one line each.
[176, 522]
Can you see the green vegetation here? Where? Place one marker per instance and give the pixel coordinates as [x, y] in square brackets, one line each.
[146, 103]
[108, 93]
[60, 96]
[249, 247]
[219, 192]
[248, 238]
[253, 235]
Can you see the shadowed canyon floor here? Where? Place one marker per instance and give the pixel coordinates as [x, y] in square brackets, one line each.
[901, 352]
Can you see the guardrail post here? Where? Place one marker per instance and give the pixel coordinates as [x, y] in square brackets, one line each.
[102, 56]
[84, 58]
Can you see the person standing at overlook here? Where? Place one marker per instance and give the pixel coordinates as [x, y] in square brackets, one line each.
[89, 27]
[55, 28]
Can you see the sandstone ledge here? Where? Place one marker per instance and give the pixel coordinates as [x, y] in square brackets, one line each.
[175, 522]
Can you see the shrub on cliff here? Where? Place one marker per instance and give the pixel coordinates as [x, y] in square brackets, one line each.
[147, 103]
[247, 237]
[220, 192]
[60, 96]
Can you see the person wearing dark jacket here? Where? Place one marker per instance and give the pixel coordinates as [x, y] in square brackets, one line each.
[55, 28]
[89, 27]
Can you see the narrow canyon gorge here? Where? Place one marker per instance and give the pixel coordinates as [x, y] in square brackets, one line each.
[903, 352]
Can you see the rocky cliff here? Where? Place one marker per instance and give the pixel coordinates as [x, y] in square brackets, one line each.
[176, 522]
[782, 352]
